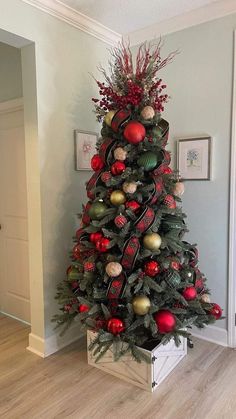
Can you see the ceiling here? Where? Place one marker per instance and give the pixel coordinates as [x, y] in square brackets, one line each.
[125, 16]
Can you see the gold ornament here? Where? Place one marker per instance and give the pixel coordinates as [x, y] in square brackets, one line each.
[113, 269]
[152, 241]
[120, 154]
[141, 305]
[117, 197]
[148, 112]
[205, 298]
[178, 189]
[108, 117]
[129, 187]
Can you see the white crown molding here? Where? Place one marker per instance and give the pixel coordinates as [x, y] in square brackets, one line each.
[195, 17]
[13, 105]
[76, 19]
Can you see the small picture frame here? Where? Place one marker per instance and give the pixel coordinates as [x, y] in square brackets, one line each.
[85, 148]
[194, 158]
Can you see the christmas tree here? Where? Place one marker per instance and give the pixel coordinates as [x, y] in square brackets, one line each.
[132, 277]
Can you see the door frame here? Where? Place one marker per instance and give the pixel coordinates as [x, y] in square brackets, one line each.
[28, 61]
[232, 218]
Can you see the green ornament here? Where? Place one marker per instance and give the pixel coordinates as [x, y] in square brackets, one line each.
[149, 160]
[173, 278]
[97, 210]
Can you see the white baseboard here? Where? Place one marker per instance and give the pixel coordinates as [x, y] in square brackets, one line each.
[212, 334]
[52, 344]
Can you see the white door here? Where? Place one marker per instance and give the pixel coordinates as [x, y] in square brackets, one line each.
[14, 270]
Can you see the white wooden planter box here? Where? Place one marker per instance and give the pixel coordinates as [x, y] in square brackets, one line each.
[164, 359]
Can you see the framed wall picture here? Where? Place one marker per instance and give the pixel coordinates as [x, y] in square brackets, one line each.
[85, 148]
[194, 158]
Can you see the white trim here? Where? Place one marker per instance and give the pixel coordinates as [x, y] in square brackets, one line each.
[52, 344]
[212, 334]
[13, 105]
[194, 17]
[78, 20]
[232, 218]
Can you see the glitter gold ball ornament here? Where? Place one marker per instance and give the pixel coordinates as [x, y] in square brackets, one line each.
[152, 241]
[120, 154]
[96, 211]
[178, 189]
[108, 117]
[205, 298]
[113, 269]
[129, 187]
[148, 112]
[141, 305]
[117, 197]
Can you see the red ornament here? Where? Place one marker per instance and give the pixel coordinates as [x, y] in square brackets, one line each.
[167, 171]
[189, 293]
[105, 176]
[134, 132]
[152, 268]
[132, 205]
[102, 244]
[120, 221]
[115, 326]
[89, 266]
[165, 321]
[96, 162]
[169, 201]
[76, 252]
[117, 168]
[216, 311]
[174, 264]
[83, 308]
[94, 237]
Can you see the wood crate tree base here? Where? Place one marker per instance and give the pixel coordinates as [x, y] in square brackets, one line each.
[163, 359]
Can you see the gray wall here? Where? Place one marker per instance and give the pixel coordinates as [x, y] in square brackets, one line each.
[200, 83]
[10, 73]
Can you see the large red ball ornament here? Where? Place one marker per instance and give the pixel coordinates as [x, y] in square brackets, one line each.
[96, 162]
[94, 237]
[102, 245]
[189, 293]
[132, 205]
[117, 168]
[115, 326]
[134, 132]
[165, 321]
[152, 268]
[83, 308]
[216, 311]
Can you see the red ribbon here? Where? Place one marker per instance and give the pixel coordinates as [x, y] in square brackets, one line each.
[145, 220]
[130, 253]
[119, 118]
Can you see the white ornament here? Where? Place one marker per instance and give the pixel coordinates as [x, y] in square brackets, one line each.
[205, 298]
[129, 187]
[120, 154]
[148, 112]
[178, 189]
[113, 269]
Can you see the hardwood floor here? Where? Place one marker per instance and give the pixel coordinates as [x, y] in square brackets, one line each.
[203, 386]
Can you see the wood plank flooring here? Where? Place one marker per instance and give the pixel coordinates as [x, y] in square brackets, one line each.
[62, 386]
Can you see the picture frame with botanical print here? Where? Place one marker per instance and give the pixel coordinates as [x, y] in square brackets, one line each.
[85, 148]
[194, 158]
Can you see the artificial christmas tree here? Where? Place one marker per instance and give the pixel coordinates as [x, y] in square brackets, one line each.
[133, 280]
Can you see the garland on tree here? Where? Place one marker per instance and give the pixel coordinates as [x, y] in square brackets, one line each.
[132, 278]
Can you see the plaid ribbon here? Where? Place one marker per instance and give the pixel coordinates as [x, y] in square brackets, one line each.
[85, 216]
[130, 253]
[92, 183]
[145, 220]
[120, 118]
[158, 188]
[163, 125]
[105, 149]
[116, 287]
